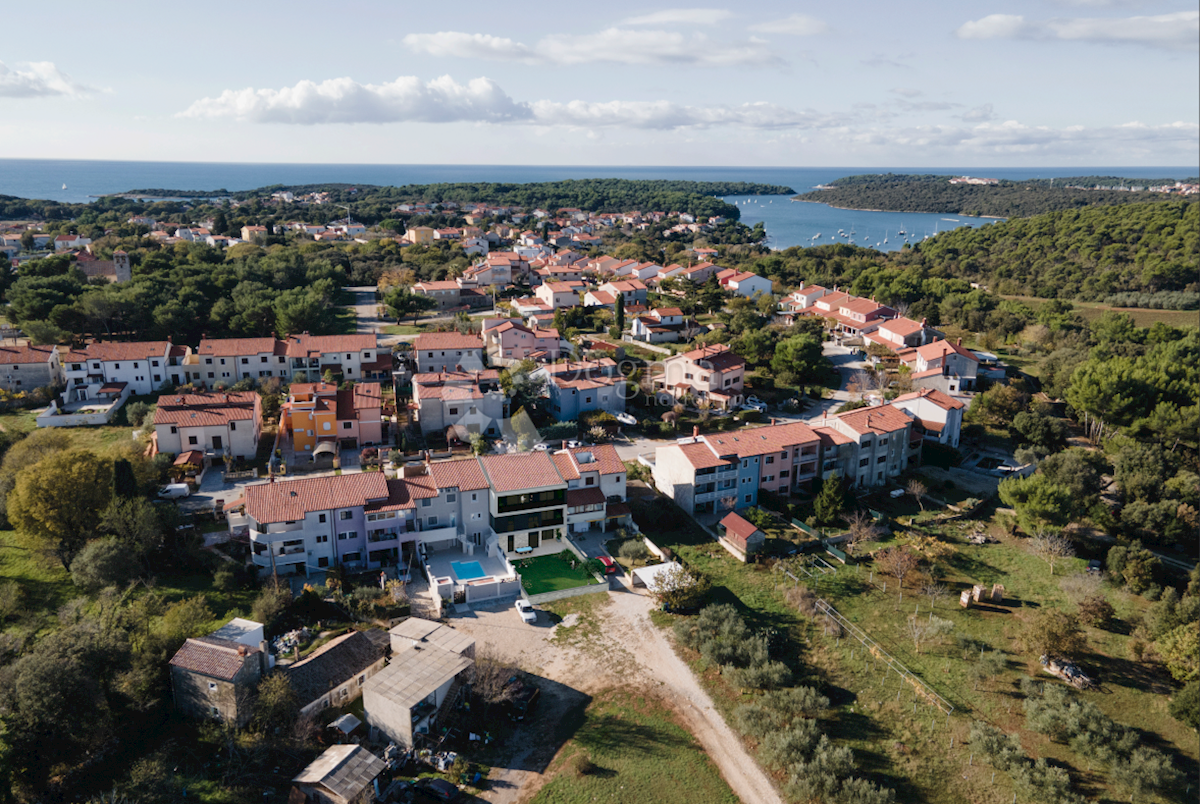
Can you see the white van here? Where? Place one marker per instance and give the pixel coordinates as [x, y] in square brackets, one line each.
[174, 491]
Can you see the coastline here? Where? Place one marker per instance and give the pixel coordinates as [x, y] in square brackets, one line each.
[900, 211]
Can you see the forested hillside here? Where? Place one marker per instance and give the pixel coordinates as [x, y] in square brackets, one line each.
[1008, 199]
[1088, 255]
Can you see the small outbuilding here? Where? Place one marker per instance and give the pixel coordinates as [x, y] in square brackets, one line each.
[644, 576]
[344, 774]
[740, 537]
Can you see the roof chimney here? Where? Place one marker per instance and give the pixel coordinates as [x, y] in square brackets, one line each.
[695, 431]
[923, 320]
[960, 341]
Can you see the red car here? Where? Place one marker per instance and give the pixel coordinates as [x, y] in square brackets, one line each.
[610, 566]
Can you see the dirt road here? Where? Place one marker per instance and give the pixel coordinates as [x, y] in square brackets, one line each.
[619, 646]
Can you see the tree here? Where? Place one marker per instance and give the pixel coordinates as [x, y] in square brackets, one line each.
[1133, 565]
[59, 500]
[830, 501]
[800, 360]
[277, 705]
[43, 333]
[934, 591]
[492, 675]
[1185, 704]
[917, 490]
[923, 631]
[1051, 548]
[27, 452]
[402, 302]
[620, 312]
[676, 589]
[987, 666]
[1096, 612]
[633, 551]
[1180, 651]
[863, 529]
[125, 483]
[1038, 502]
[271, 603]
[101, 563]
[897, 562]
[1053, 632]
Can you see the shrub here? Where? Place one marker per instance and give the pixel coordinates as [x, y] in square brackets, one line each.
[1096, 612]
[225, 579]
[581, 766]
[136, 413]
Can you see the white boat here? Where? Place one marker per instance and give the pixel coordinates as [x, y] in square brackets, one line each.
[64, 186]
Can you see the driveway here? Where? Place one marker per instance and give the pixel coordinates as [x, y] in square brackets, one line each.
[623, 648]
[365, 308]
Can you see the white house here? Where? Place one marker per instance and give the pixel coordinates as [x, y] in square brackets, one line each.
[216, 424]
[940, 415]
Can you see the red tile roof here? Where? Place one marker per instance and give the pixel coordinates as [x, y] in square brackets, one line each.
[13, 355]
[137, 350]
[234, 347]
[700, 456]
[880, 419]
[902, 326]
[305, 344]
[589, 496]
[737, 529]
[212, 656]
[466, 474]
[205, 410]
[290, 500]
[762, 440]
[430, 341]
[523, 471]
[932, 351]
[944, 401]
[715, 358]
[606, 461]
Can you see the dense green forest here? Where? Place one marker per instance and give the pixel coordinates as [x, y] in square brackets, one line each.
[1132, 255]
[595, 195]
[1008, 199]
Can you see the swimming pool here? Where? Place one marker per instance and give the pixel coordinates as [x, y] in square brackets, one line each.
[468, 570]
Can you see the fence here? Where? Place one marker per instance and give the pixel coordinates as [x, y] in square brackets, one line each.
[836, 553]
[796, 523]
[548, 597]
[922, 689]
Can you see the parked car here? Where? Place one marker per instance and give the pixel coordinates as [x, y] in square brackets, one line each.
[541, 447]
[522, 697]
[527, 611]
[610, 566]
[627, 418]
[754, 400]
[573, 444]
[761, 407]
[173, 491]
[437, 789]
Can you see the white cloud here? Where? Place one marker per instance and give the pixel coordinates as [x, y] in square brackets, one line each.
[470, 46]
[980, 114]
[343, 100]
[667, 115]
[681, 16]
[613, 46]
[38, 79]
[1178, 31]
[1014, 138]
[907, 92]
[796, 25]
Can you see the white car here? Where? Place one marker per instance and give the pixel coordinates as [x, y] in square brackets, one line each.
[761, 407]
[527, 611]
[173, 491]
[627, 418]
[573, 444]
[541, 447]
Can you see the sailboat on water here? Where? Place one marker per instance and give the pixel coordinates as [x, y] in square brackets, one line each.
[64, 185]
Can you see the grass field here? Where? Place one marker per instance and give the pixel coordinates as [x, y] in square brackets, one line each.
[551, 574]
[1142, 316]
[637, 752]
[402, 329]
[44, 584]
[911, 750]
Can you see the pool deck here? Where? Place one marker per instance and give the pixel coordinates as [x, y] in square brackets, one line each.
[440, 563]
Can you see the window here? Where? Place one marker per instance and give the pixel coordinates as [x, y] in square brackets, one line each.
[263, 359]
[882, 441]
[347, 425]
[451, 497]
[474, 496]
[323, 538]
[233, 425]
[748, 498]
[222, 361]
[770, 478]
[211, 685]
[95, 365]
[211, 375]
[174, 429]
[745, 464]
[362, 679]
[350, 534]
[425, 503]
[783, 474]
[864, 462]
[453, 411]
[323, 561]
[116, 365]
[153, 363]
[687, 376]
[208, 361]
[432, 520]
[881, 459]
[158, 378]
[770, 459]
[193, 440]
[245, 361]
[783, 454]
[345, 515]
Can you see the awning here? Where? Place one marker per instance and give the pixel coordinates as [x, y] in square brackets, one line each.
[614, 510]
[232, 504]
[193, 456]
[112, 388]
[325, 448]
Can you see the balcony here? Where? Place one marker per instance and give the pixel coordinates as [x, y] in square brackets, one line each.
[529, 502]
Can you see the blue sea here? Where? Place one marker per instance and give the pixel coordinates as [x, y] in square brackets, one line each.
[787, 223]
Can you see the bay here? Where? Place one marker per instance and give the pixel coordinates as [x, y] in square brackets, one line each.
[787, 223]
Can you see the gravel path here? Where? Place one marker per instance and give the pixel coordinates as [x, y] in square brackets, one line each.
[620, 647]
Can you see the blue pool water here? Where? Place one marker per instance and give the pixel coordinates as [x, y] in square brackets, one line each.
[468, 570]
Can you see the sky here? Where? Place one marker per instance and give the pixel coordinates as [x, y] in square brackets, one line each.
[770, 83]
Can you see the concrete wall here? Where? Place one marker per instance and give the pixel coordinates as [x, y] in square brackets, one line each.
[561, 594]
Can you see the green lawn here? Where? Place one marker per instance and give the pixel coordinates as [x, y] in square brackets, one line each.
[637, 753]
[552, 573]
[402, 329]
[1142, 317]
[44, 584]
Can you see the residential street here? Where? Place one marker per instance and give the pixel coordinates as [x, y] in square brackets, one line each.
[626, 650]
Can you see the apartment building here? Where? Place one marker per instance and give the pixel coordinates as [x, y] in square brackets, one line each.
[512, 341]
[143, 366]
[887, 442]
[351, 357]
[713, 473]
[447, 351]
[367, 521]
[472, 401]
[556, 295]
[319, 412]
[948, 367]
[711, 373]
[217, 424]
[580, 387]
[939, 414]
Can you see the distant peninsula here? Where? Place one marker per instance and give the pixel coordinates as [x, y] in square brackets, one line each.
[986, 197]
[699, 198]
